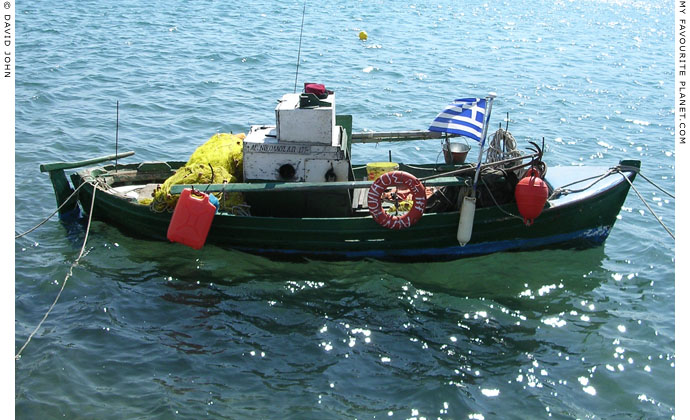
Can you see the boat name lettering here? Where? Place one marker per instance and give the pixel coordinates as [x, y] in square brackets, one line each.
[278, 148]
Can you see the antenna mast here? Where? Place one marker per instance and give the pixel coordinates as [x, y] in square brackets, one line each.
[117, 129]
[299, 50]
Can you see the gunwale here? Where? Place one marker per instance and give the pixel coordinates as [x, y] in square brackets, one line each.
[580, 220]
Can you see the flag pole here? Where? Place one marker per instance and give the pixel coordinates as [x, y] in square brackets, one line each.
[489, 102]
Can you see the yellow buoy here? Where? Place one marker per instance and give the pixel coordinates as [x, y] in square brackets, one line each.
[363, 35]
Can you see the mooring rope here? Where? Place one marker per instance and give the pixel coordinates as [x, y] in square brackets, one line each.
[658, 187]
[562, 190]
[637, 170]
[618, 169]
[648, 207]
[48, 218]
[64, 282]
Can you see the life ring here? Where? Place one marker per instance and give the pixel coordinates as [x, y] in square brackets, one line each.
[390, 179]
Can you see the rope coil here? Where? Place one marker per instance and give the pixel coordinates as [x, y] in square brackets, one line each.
[501, 147]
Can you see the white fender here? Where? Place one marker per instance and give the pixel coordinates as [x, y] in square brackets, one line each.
[466, 220]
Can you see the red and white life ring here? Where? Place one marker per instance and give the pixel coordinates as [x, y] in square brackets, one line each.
[390, 179]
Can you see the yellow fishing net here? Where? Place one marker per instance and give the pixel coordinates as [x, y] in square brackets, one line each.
[217, 161]
[402, 207]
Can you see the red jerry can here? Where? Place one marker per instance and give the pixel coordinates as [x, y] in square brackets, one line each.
[531, 194]
[191, 219]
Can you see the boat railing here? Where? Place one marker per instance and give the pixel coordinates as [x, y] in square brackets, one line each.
[64, 194]
[49, 167]
[302, 186]
[376, 137]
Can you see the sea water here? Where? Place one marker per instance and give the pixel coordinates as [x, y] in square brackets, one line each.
[156, 330]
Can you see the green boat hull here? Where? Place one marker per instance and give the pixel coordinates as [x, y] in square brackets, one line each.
[581, 219]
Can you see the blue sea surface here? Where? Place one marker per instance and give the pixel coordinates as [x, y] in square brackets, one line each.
[156, 330]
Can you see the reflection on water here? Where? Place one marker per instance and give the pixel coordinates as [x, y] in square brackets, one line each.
[536, 329]
[368, 336]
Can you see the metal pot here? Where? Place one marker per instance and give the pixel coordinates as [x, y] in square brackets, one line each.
[457, 153]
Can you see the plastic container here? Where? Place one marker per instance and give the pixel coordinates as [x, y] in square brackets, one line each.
[457, 153]
[191, 219]
[376, 169]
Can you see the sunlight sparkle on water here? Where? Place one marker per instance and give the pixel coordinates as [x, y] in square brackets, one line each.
[546, 289]
[590, 390]
[362, 331]
[491, 392]
[527, 293]
[555, 322]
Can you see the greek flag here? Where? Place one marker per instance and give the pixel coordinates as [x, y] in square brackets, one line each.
[464, 117]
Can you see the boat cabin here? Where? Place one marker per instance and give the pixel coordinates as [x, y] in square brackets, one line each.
[304, 145]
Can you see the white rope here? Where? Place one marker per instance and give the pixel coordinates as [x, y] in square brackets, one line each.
[64, 282]
[48, 218]
[499, 140]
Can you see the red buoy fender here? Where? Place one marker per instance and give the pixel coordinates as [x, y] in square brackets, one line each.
[531, 194]
[390, 179]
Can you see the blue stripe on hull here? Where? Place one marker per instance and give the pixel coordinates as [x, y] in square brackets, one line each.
[593, 237]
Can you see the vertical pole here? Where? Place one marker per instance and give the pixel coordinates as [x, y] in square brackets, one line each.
[505, 135]
[299, 50]
[117, 129]
[487, 115]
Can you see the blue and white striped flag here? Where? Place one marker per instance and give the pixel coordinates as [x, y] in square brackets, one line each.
[464, 117]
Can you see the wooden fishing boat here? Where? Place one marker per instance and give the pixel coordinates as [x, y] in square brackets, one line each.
[330, 216]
